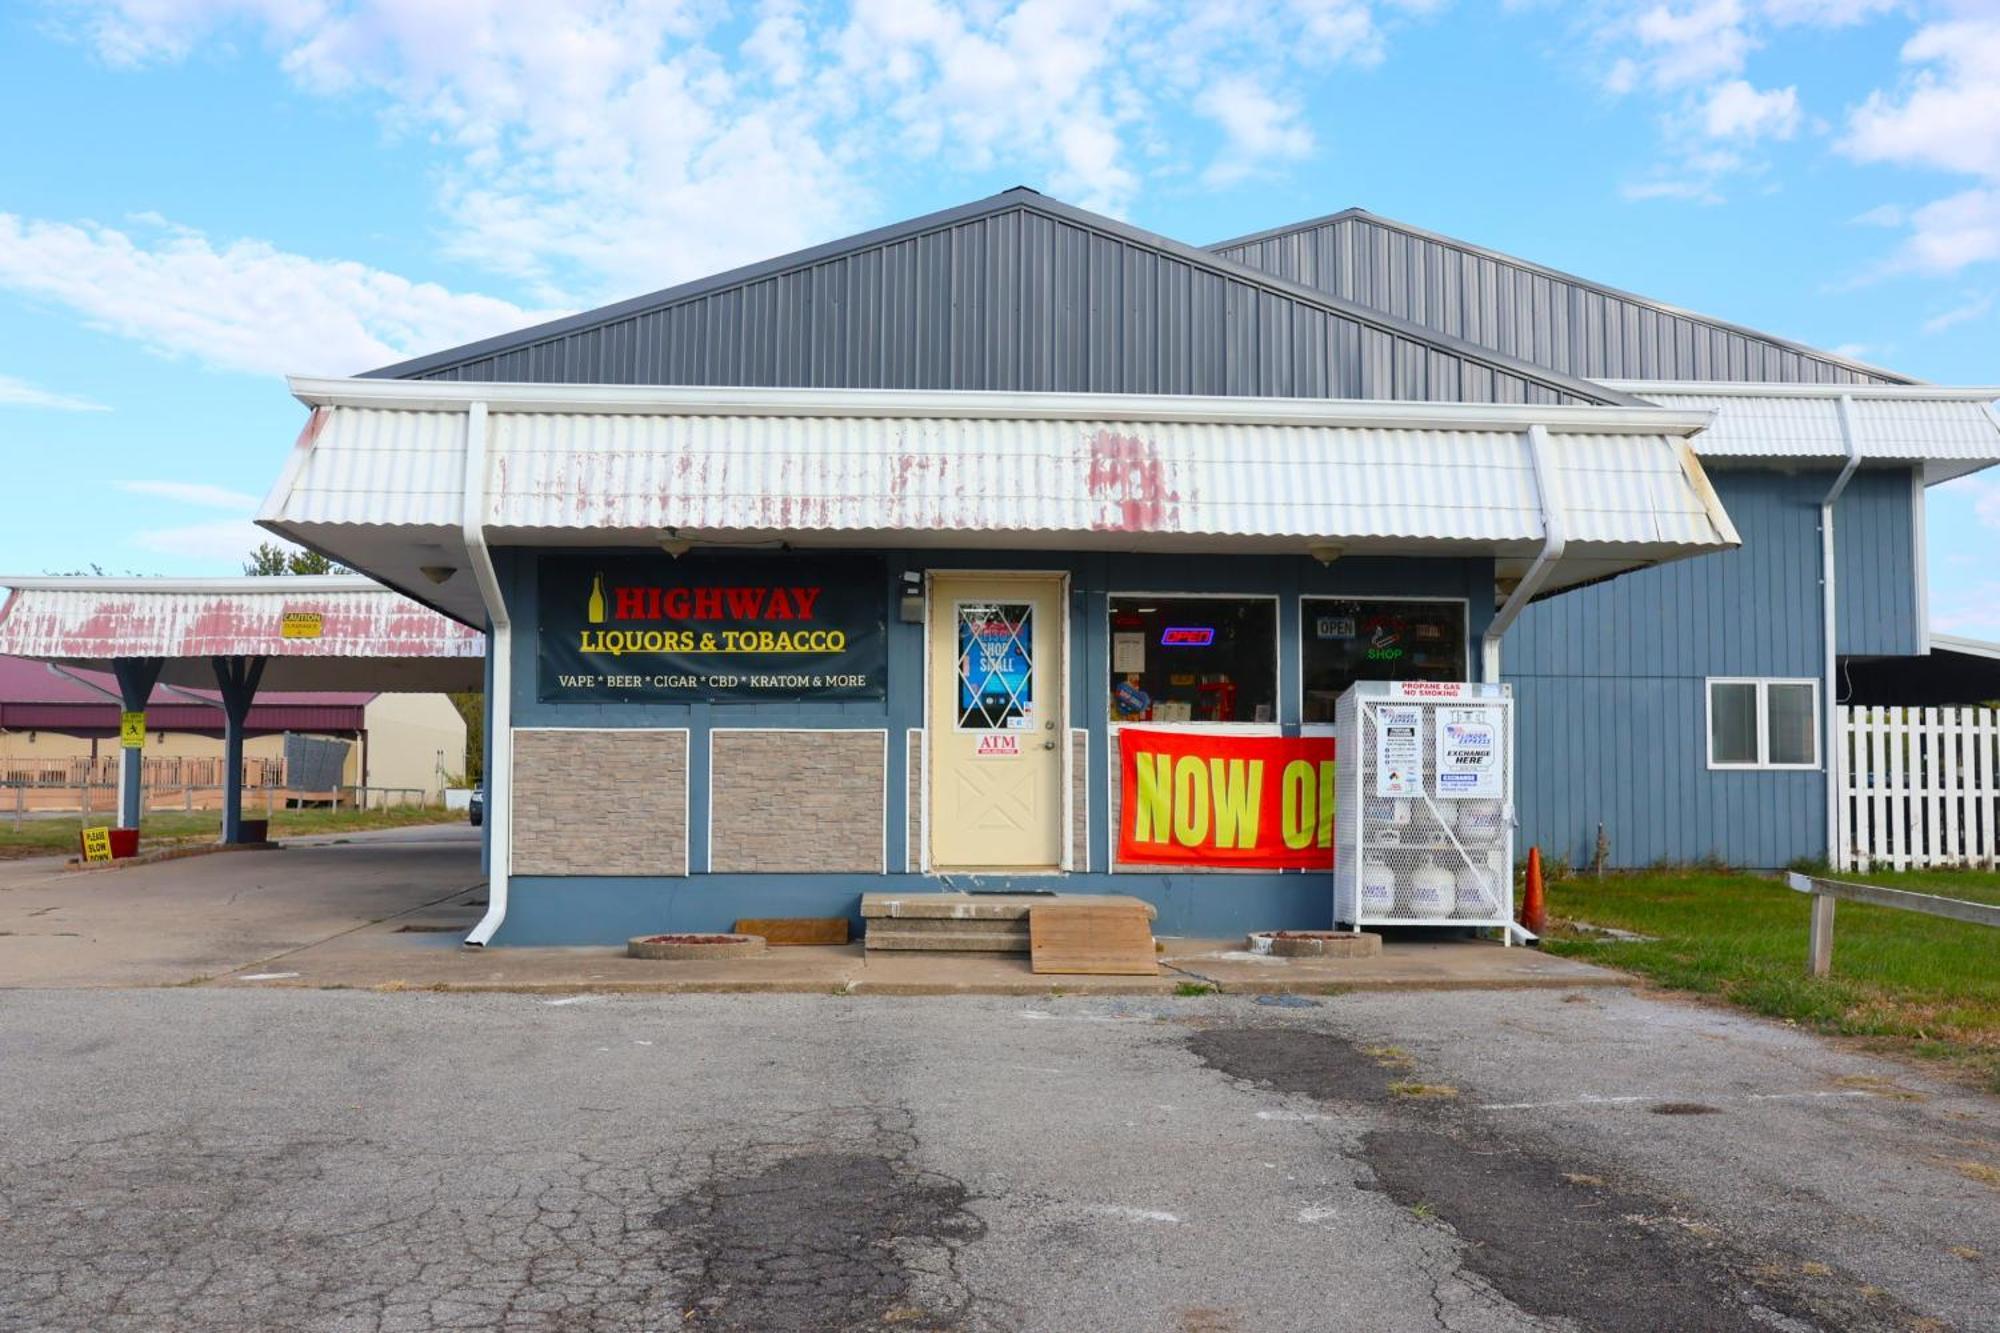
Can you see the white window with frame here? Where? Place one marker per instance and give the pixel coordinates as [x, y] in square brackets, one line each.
[1758, 722]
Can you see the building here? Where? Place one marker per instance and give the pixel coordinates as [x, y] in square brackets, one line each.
[60, 728]
[849, 570]
[1722, 673]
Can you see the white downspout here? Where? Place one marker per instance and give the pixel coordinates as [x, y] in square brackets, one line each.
[1553, 541]
[1829, 623]
[500, 703]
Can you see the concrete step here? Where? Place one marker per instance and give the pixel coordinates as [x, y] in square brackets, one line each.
[977, 906]
[946, 936]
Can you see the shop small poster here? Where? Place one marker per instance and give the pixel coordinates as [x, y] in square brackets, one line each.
[1399, 751]
[1468, 753]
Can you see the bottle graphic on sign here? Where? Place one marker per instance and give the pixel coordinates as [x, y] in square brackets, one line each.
[596, 607]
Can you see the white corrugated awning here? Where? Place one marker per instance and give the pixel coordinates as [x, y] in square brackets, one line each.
[1948, 431]
[345, 632]
[378, 477]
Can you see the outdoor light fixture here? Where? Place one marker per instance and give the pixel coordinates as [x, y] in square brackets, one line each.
[675, 545]
[437, 573]
[1326, 552]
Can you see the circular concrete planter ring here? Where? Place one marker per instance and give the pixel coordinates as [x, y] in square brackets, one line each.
[687, 947]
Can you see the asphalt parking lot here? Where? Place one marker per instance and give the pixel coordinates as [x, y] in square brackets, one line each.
[234, 1159]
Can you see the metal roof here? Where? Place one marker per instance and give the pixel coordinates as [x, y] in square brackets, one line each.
[368, 636]
[1016, 292]
[1527, 310]
[1950, 431]
[597, 465]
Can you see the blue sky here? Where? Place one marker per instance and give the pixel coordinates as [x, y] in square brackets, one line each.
[197, 196]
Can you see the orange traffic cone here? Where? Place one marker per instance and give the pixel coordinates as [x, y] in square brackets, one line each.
[1534, 913]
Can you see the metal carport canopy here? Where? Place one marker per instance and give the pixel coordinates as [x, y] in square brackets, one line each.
[238, 634]
[378, 478]
[368, 636]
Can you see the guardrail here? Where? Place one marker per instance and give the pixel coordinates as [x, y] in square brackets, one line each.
[1826, 892]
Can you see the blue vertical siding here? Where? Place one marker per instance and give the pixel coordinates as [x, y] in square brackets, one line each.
[1610, 679]
[1874, 560]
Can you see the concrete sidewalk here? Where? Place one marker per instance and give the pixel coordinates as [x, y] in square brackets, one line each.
[422, 952]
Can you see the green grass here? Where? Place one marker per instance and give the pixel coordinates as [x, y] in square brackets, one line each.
[49, 837]
[1919, 985]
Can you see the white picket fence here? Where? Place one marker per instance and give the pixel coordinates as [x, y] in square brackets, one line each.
[1919, 787]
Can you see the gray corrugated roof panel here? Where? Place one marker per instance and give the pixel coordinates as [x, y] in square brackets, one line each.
[1016, 292]
[1528, 311]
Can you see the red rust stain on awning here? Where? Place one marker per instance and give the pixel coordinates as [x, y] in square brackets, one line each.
[1126, 473]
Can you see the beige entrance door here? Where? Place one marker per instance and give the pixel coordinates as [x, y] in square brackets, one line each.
[995, 727]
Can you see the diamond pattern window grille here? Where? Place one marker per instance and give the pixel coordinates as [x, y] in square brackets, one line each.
[996, 663]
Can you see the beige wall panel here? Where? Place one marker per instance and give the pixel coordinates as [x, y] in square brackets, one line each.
[801, 802]
[600, 802]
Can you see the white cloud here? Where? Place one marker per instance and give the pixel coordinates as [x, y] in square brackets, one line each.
[1826, 13]
[1258, 128]
[218, 539]
[594, 148]
[19, 393]
[1681, 47]
[243, 305]
[1735, 110]
[1948, 114]
[1945, 117]
[1965, 313]
[196, 493]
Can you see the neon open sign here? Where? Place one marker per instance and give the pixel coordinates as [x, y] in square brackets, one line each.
[1187, 636]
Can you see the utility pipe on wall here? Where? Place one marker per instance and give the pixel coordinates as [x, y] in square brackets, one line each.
[500, 701]
[1830, 756]
[1553, 542]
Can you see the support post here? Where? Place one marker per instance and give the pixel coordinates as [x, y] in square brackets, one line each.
[236, 678]
[1821, 942]
[136, 678]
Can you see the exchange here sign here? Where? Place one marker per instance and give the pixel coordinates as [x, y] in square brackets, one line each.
[652, 629]
[1253, 802]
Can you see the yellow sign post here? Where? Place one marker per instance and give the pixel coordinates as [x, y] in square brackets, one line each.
[302, 625]
[132, 730]
[97, 844]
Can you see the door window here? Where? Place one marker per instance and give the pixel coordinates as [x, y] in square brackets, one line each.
[996, 665]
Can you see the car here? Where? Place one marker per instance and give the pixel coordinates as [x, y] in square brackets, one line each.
[475, 808]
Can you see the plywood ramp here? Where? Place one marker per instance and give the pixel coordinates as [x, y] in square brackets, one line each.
[1097, 938]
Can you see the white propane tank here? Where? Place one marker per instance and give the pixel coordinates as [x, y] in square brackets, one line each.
[1432, 891]
[1479, 823]
[1470, 892]
[1378, 888]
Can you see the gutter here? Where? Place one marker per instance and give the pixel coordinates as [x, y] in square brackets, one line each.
[1553, 542]
[1829, 624]
[1554, 539]
[500, 702]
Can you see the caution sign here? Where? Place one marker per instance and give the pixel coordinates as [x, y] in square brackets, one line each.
[1246, 802]
[302, 625]
[97, 844]
[132, 730]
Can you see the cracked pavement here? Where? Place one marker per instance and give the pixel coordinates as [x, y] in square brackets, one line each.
[201, 1159]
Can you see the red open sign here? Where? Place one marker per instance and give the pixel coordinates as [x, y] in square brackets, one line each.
[1187, 636]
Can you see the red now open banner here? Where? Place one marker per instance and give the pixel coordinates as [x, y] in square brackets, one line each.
[1194, 798]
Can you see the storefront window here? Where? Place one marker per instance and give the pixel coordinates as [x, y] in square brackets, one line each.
[1346, 639]
[1194, 659]
[996, 665]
